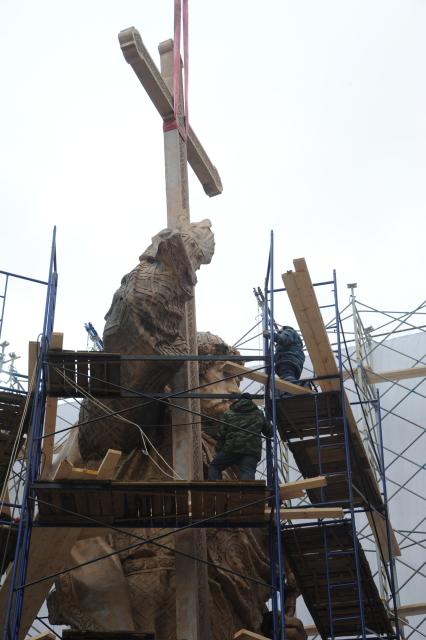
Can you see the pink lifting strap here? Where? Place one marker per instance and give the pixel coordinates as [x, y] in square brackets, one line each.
[172, 123]
[185, 60]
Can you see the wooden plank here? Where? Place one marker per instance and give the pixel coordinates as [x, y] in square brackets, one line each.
[378, 527]
[308, 513]
[244, 634]
[32, 358]
[82, 374]
[314, 512]
[56, 343]
[374, 377]
[407, 610]
[297, 488]
[305, 306]
[197, 504]
[209, 500]
[108, 465]
[98, 377]
[63, 471]
[235, 500]
[258, 376]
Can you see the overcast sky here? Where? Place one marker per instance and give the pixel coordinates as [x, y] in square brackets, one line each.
[314, 112]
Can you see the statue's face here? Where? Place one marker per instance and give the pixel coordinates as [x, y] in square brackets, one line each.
[199, 242]
[214, 374]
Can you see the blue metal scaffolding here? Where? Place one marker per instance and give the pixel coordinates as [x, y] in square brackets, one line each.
[20, 563]
[279, 533]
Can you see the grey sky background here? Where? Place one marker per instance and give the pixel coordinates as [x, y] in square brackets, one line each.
[313, 111]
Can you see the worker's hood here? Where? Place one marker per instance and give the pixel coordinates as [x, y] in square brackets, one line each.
[243, 405]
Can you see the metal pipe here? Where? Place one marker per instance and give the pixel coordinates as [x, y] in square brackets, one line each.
[348, 462]
[275, 446]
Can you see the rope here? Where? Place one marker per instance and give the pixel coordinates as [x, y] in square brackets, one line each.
[144, 437]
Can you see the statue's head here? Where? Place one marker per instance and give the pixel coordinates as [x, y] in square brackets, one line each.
[198, 239]
[212, 373]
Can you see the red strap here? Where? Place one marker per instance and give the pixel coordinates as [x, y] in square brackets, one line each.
[176, 56]
[172, 123]
[185, 60]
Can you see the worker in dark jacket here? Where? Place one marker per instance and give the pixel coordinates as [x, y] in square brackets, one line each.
[289, 356]
[239, 440]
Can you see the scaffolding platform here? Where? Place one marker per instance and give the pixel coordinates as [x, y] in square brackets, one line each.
[76, 373]
[313, 427]
[148, 504]
[11, 411]
[322, 558]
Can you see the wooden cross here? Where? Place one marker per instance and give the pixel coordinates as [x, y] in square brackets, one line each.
[192, 620]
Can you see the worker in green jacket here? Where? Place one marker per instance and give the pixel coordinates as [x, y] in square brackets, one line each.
[239, 440]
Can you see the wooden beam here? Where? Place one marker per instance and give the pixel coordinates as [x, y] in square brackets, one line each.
[308, 513]
[244, 634]
[32, 358]
[262, 378]
[374, 377]
[108, 465]
[311, 513]
[56, 344]
[408, 610]
[297, 488]
[378, 527]
[308, 315]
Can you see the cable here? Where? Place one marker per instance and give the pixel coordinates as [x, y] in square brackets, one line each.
[144, 436]
[164, 400]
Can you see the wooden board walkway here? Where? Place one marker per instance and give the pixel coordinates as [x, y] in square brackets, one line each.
[147, 504]
[297, 418]
[306, 553]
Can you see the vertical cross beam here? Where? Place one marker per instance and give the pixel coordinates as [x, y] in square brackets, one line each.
[191, 578]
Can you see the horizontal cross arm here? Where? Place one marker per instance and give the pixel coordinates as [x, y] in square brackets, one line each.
[137, 55]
